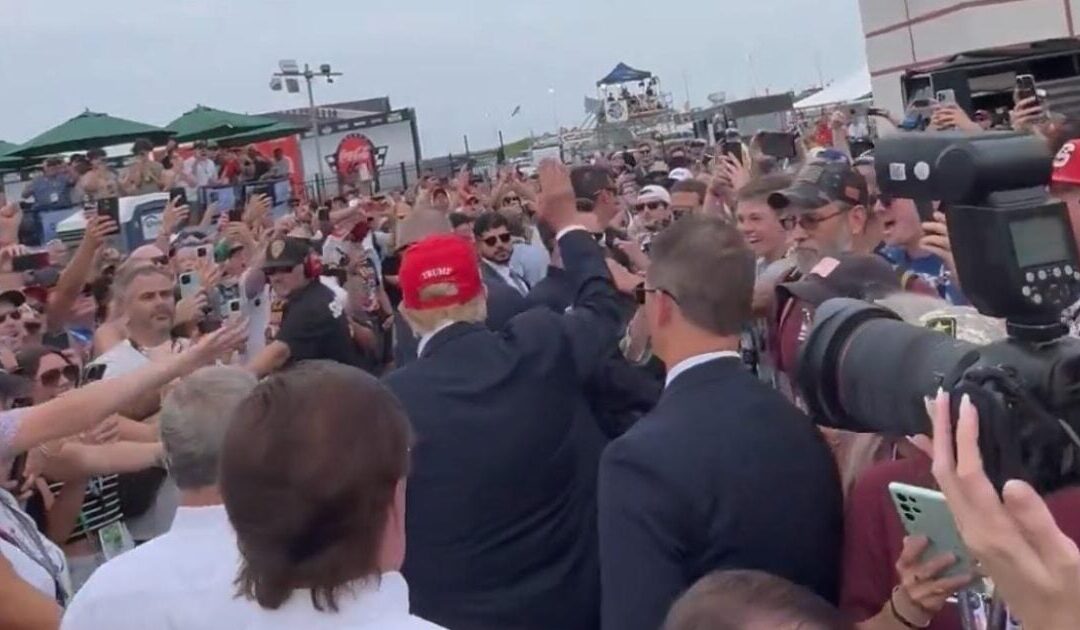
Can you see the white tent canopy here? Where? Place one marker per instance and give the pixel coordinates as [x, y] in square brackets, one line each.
[851, 88]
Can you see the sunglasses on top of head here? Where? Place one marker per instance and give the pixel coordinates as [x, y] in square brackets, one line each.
[491, 241]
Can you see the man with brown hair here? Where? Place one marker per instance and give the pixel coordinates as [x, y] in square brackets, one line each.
[751, 600]
[313, 472]
[688, 196]
[723, 472]
[758, 222]
[501, 526]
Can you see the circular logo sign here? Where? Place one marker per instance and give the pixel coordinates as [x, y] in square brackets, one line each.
[355, 154]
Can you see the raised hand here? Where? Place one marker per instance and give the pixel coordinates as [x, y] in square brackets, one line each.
[557, 203]
[950, 116]
[209, 273]
[98, 230]
[625, 280]
[1027, 114]
[190, 309]
[174, 215]
[257, 207]
[11, 217]
[231, 336]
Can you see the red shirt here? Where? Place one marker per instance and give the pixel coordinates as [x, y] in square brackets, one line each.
[873, 537]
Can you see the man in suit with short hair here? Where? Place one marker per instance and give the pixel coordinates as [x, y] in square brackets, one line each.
[724, 473]
[501, 530]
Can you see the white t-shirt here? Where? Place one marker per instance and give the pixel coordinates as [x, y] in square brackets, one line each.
[182, 579]
[202, 171]
[32, 555]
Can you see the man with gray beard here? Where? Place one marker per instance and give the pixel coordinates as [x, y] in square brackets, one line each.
[824, 210]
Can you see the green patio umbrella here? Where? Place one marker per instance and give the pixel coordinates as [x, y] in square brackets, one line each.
[11, 163]
[274, 131]
[87, 131]
[207, 123]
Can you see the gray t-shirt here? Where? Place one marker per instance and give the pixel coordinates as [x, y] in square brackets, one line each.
[123, 359]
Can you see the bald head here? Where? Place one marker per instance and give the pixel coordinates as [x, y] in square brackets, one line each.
[146, 252]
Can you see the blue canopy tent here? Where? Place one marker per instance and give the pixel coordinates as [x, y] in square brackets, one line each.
[624, 74]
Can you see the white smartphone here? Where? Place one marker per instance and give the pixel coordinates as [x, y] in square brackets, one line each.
[924, 512]
[189, 284]
[946, 96]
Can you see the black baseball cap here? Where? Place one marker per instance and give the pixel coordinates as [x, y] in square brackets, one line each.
[820, 183]
[286, 253]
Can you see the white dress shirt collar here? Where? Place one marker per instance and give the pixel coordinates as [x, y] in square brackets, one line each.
[507, 274]
[382, 604]
[443, 325]
[201, 518]
[697, 360]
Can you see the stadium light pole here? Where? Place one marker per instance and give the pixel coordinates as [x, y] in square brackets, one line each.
[291, 73]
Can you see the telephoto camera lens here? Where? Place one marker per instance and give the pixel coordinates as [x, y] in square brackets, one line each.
[862, 369]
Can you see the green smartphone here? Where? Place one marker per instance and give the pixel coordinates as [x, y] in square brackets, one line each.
[924, 512]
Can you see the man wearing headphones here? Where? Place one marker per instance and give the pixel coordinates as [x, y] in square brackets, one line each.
[313, 322]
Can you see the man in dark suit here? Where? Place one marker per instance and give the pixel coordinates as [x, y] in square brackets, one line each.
[495, 245]
[724, 473]
[501, 514]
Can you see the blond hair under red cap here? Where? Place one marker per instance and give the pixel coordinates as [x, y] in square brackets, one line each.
[446, 261]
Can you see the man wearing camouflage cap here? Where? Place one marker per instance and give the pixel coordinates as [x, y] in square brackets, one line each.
[824, 210]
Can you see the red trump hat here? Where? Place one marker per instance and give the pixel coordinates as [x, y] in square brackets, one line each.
[444, 260]
[1067, 164]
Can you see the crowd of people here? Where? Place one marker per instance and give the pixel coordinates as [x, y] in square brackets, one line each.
[565, 401]
[92, 175]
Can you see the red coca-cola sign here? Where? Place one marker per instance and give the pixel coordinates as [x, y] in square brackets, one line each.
[355, 157]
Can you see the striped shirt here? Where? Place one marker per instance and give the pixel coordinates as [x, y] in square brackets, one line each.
[101, 506]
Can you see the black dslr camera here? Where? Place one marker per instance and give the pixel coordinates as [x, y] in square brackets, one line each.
[862, 369]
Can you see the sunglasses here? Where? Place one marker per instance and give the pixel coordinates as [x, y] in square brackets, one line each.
[51, 378]
[807, 222]
[14, 315]
[640, 291]
[498, 238]
[511, 199]
[652, 205]
[274, 271]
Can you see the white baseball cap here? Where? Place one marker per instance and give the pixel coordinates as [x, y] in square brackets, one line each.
[654, 193]
[680, 174]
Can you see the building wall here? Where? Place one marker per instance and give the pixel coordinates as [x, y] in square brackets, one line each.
[917, 34]
[397, 138]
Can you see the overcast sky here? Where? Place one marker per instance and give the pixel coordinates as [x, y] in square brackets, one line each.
[462, 65]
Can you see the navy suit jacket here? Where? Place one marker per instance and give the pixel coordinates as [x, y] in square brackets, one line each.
[723, 474]
[501, 504]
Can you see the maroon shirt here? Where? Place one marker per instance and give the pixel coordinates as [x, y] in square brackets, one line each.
[873, 537]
